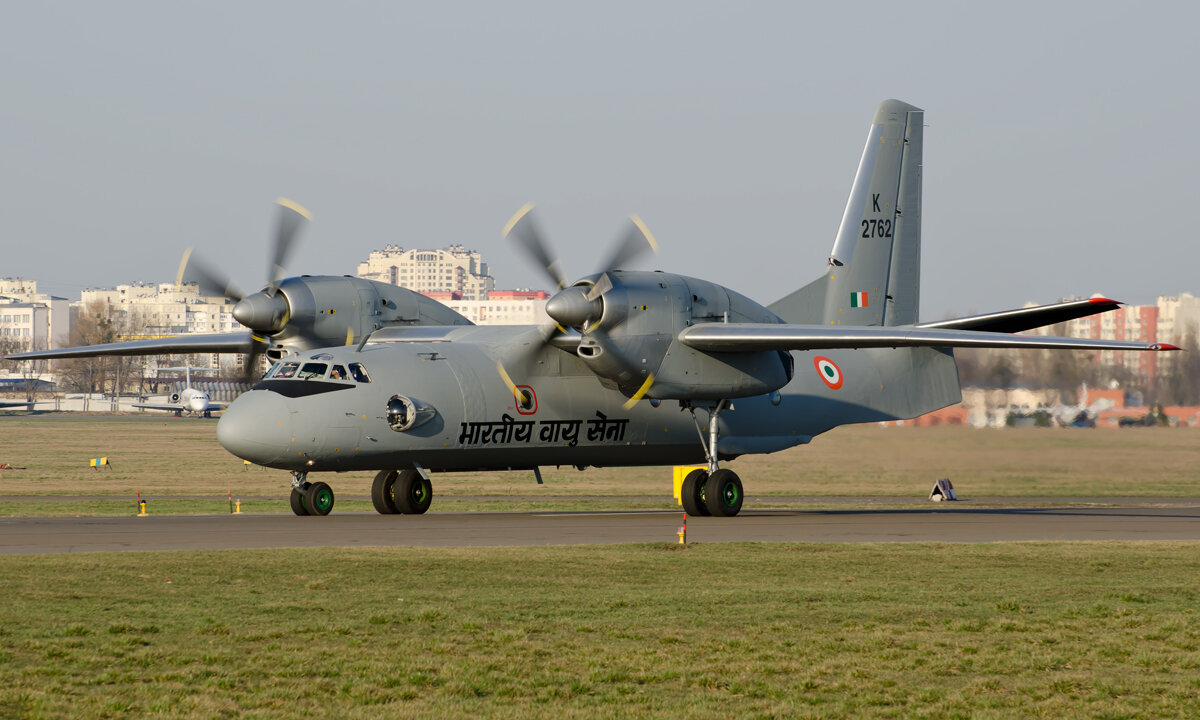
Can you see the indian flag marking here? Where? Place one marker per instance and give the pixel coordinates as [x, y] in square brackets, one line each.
[858, 299]
[829, 371]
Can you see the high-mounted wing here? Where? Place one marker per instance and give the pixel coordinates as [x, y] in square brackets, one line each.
[750, 337]
[177, 407]
[1011, 321]
[213, 343]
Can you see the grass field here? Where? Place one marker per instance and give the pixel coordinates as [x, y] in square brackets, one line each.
[701, 631]
[1097, 630]
[179, 458]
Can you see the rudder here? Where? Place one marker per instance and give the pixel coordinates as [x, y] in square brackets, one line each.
[873, 276]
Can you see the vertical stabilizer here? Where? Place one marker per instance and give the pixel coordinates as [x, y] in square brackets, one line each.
[873, 276]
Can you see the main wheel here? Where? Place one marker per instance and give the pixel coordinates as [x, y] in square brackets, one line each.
[319, 499]
[723, 493]
[691, 493]
[412, 493]
[381, 492]
[298, 501]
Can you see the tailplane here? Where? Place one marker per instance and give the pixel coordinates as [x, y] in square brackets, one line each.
[874, 271]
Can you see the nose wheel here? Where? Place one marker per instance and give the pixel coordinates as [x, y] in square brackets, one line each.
[310, 498]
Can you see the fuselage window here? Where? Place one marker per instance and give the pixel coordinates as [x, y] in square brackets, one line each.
[312, 370]
[285, 370]
[359, 373]
[338, 373]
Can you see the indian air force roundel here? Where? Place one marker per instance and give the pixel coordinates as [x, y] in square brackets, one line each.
[829, 371]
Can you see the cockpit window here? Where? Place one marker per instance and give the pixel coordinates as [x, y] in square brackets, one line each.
[284, 370]
[312, 370]
[338, 373]
[359, 373]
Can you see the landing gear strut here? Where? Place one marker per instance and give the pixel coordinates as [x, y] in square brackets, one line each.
[407, 492]
[714, 491]
[310, 498]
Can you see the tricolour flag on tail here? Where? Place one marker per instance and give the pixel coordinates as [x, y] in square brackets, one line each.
[858, 299]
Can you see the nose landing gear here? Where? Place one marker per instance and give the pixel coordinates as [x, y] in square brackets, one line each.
[310, 498]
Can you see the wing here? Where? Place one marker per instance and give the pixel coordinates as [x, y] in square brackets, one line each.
[214, 343]
[160, 406]
[1011, 321]
[746, 337]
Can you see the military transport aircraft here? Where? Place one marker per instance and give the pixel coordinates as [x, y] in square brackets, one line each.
[641, 368]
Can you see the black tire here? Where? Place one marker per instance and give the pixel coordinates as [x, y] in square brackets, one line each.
[299, 504]
[691, 493]
[318, 499]
[381, 492]
[723, 493]
[412, 493]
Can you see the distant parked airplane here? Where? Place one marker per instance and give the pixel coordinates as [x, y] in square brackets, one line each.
[189, 400]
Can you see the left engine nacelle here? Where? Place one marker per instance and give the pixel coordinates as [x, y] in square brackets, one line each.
[326, 310]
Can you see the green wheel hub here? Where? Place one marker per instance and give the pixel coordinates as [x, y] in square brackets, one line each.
[730, 494]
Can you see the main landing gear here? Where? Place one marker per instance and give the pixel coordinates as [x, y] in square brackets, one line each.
[713, 491]
[310, 498]
[407, 492]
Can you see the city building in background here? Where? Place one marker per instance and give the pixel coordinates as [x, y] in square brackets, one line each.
[30, 320]
[502, 307]
[163, 309]
[1170, 320]
[452, 269]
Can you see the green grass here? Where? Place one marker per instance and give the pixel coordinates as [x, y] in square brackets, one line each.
[702, 631]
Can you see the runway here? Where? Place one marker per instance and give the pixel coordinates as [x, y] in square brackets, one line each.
[947, 523]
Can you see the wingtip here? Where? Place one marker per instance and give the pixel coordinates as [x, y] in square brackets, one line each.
[1164, 346]
[1105, 301]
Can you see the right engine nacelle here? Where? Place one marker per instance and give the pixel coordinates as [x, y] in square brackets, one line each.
[643, 312]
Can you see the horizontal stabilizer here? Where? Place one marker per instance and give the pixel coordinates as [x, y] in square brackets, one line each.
[1011, 321]
[747, 337]
[212, 343]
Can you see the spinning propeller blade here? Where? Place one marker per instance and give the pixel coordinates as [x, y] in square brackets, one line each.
[578, 306]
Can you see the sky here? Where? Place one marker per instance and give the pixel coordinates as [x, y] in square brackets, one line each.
[1059, 147]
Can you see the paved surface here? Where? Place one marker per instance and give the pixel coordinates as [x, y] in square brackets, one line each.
[944, 523]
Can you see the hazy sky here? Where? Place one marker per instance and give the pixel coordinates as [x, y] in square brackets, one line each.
[1060, 151]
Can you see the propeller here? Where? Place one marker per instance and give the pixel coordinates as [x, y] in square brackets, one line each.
[266, 312]
[579, 306]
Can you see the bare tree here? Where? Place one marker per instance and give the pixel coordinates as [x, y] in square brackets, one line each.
[97, 323]
[1180, 381]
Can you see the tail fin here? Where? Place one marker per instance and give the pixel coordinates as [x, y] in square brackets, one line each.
[874, 272]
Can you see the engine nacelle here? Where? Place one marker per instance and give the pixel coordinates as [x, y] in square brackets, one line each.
[326, 310]
[634, 337]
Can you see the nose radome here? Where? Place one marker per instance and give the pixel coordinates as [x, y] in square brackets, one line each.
[256, 427]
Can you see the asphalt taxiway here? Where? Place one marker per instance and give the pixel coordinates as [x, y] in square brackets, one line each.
[946, 523]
